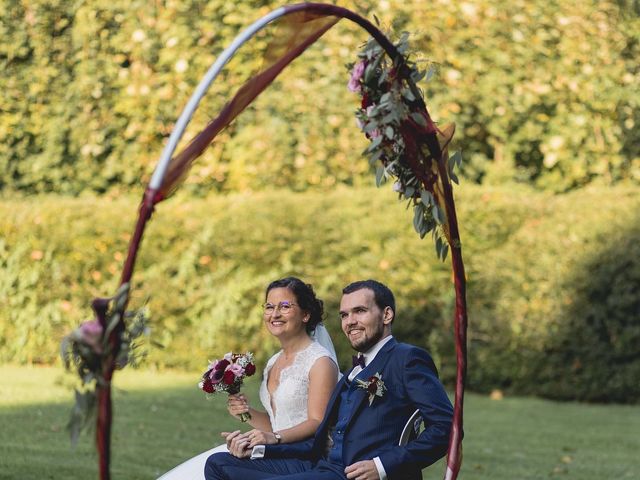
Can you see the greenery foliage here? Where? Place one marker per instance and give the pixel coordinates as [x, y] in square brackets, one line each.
[542, 92]
[552, 281]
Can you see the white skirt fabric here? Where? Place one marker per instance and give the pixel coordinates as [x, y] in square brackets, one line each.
[192, 469]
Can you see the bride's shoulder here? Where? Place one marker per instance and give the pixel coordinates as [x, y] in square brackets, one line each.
[315, 351]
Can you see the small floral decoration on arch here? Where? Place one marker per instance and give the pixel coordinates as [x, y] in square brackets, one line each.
[391, 117]
[87, 347]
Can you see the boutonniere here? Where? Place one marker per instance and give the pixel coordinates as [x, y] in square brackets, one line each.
[374, 386]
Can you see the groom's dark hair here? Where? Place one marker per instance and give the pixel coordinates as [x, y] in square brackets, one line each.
[382, 295]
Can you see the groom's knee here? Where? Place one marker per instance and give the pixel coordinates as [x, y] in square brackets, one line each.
[213, 466]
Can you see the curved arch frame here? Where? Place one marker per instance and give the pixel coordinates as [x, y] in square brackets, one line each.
[103, 430]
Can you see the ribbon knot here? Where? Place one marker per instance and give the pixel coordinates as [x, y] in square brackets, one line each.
[358, 360]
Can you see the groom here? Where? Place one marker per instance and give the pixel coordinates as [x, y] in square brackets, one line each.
[358, 437]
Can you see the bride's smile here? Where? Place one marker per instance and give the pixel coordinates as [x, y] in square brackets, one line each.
[282, 314]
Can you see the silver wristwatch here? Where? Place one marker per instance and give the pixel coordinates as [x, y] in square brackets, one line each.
[278, 437]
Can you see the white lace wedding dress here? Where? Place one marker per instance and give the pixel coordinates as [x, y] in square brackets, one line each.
[286, 408]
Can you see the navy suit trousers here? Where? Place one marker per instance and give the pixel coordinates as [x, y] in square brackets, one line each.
[224, 466]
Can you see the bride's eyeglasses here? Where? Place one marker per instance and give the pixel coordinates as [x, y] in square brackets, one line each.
[283, 307]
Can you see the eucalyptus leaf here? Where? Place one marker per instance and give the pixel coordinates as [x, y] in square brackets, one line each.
[375, 143]
[435, 212]
[419, 119]
[121, 297]
[382, 78]
[409, 191]
[375, 156]
[368, 73]
[426, 198]
[456, 159]
[438, 246]
[113, 322]
[371, 126]
[379, 175]
[390, 117]
[418, 218]
[445, 250]
[408, 94]
[389, 132]
[418, 75]
[430, 72]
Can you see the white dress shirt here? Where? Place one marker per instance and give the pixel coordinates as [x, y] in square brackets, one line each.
[369, 355]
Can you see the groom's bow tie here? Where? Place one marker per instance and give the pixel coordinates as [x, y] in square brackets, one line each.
[358, 360]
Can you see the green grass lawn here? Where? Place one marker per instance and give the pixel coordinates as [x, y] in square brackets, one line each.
[161, 419]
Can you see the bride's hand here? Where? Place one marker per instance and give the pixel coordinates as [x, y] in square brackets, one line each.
[237, 443]
[258, 437]
[237, 404]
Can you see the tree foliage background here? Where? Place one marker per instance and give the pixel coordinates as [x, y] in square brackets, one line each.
[542, 92]
[545, 98]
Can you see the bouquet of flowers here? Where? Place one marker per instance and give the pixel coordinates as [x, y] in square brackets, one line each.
[227, 375]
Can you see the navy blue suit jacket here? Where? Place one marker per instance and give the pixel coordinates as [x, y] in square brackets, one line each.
[373, 430]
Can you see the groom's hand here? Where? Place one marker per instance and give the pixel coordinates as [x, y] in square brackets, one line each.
[364, 470]
[237, 443]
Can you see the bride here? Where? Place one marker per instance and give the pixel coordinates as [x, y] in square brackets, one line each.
[297, 382]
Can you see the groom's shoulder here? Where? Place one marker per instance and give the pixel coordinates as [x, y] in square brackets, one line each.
[408, 352]
[409, 349]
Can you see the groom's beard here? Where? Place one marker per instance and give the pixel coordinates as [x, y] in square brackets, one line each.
[368, 339]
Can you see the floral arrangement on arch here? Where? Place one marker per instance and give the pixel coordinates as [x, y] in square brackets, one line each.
[86, 349]
[391, 117]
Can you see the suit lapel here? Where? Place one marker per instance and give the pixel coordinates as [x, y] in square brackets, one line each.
[376, 366]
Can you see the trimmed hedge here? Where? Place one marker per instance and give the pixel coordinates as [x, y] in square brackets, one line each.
[542, 92]
[553, 280]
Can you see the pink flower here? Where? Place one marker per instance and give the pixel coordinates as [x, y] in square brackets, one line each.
[237, 370]
[91, 334]
[397, 187]
[356, 76]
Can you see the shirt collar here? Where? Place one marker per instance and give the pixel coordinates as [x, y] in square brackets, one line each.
[370, 354]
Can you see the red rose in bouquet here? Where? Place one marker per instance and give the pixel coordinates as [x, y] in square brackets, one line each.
[227, 375]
